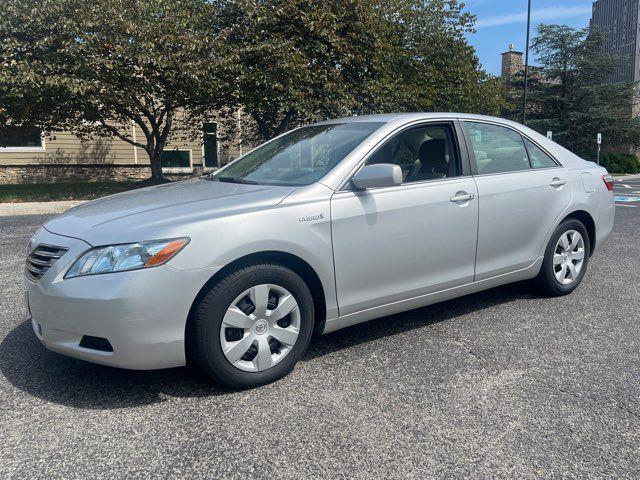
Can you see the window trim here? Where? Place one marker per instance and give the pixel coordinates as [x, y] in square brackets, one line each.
[188, 169]
[472, 155]
[459, 143]
[41, 149]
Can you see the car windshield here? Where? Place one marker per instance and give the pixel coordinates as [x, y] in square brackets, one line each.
[300, 157]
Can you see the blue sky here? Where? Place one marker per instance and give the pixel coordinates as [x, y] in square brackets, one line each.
[500, 22]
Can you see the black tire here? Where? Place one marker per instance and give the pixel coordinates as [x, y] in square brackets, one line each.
[546, 279]
[203, 342]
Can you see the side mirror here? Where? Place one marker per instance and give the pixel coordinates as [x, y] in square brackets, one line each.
[378, 175]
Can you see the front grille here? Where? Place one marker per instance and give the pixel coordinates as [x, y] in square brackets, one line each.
[41, 260]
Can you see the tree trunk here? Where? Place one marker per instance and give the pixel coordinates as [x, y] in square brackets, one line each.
[156, 165]
[263, 127]
[269, 128]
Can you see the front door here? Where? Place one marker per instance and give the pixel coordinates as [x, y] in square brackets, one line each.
[210, 144]
[522, 193]
[396, 243]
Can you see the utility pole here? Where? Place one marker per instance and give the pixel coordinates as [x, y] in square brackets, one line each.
[526, 68]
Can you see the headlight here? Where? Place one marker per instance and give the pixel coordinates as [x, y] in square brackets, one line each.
[122, 258]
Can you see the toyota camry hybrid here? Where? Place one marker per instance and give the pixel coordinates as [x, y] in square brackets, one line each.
[323, 227]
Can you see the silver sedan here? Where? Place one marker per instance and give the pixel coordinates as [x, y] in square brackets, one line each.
[326, 226]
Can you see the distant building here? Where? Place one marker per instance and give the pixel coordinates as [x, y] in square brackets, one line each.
[618, 20]
[28, 156]
[513, 67]
[512, 64]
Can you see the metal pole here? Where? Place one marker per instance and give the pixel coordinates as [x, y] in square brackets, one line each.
[526, 67]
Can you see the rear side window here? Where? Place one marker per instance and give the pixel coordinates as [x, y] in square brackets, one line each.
[497, 149]
[538, 158]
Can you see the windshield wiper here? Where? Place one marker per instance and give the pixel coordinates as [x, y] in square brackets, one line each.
[235, 180]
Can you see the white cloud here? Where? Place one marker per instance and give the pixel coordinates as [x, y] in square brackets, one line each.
[540, 14]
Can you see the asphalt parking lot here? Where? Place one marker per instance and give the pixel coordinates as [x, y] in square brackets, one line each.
[502, 383]
[627, 192]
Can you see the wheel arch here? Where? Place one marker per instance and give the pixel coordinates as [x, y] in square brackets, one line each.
[288, 260]
[589, 223]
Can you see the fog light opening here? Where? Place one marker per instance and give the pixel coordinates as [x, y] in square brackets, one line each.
[95, 343]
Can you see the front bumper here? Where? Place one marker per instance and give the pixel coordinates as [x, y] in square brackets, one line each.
[141, 313]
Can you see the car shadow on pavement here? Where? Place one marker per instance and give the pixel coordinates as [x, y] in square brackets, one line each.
[418, 318]
[33, 369]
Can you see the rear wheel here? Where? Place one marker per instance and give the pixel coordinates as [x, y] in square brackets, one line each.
[566, 258]
[253, 326]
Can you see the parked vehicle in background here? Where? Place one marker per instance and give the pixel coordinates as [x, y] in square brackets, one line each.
[321, 228]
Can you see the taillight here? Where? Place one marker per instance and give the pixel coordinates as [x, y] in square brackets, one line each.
[608, 181]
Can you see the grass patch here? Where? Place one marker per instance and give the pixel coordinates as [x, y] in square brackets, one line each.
[48, 192]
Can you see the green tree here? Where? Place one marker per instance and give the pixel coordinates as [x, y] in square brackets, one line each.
[301, 61]
[570, 95]
[94, 68]
[426, 62]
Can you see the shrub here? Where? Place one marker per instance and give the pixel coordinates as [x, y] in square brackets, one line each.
[615, 162]
[619, 162]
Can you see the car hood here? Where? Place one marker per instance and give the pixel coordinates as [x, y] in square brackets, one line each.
[145, 213]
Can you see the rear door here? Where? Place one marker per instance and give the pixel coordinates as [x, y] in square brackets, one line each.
[396, 243]
[522, 192]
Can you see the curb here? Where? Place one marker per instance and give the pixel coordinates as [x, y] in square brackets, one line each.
[36, 208]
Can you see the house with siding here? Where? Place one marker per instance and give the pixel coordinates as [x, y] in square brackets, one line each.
[28, 156]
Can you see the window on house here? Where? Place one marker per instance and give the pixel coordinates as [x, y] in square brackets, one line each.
[176, 159]
[20, 137]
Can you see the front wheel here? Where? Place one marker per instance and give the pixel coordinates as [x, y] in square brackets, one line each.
[253, 326]
[566, 259]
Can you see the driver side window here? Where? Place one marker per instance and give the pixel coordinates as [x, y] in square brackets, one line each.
[423, 153]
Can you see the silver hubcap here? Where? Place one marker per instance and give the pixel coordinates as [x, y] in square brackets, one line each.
[260, 327]
[568, 257]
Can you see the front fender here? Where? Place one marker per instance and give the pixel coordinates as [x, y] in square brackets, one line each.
[300, 229]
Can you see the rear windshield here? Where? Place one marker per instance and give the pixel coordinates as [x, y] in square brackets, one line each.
[300, 157]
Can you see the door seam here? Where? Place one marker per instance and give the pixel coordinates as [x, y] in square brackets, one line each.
[333, 254]
[475, 261]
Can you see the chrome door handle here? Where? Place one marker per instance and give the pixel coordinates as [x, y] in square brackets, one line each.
[461, 197]
[557, 182]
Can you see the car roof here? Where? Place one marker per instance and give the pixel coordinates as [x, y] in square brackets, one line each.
[389, 117]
